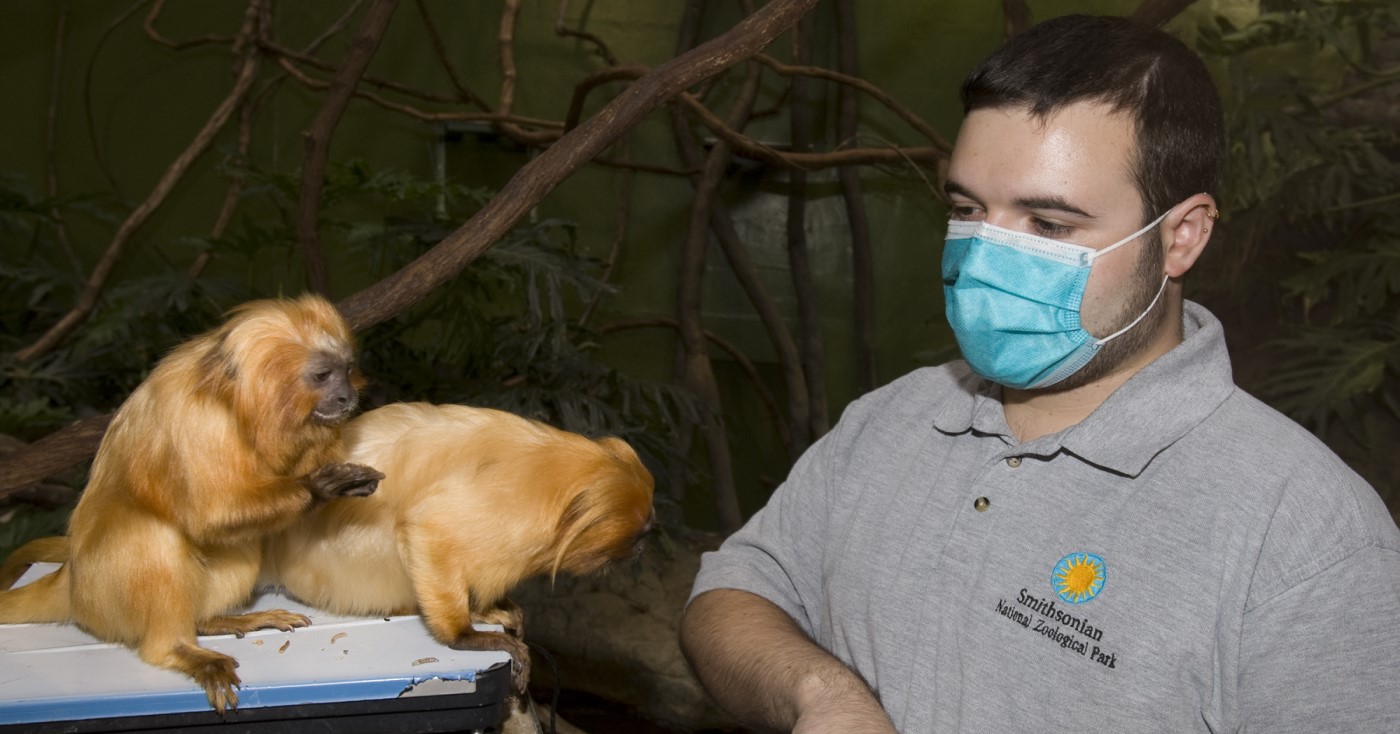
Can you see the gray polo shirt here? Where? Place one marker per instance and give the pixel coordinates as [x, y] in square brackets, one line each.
[1184, 559]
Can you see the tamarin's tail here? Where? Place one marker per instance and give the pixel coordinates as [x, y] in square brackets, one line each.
[53, 549]
[44, 600]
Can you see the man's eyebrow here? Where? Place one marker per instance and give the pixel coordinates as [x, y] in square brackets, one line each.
[1054, 203]
[951, 187]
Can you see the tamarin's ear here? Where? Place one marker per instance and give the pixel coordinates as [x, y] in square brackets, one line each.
[216, 368]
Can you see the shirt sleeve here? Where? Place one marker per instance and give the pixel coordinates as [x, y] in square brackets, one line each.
[1325, 654]
[778, 554]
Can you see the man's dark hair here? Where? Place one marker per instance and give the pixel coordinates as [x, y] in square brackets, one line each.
[1154, 78]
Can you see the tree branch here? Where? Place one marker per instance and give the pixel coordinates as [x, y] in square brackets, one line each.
[857, 217]
[411, 111]
[154, 35]
[87, 300]
[1016, 17]
[305, 57]
[51, 145]
[784, 346]
[801, 124]
[852, 81]
[537, 178]
[747, 147]
[523, 192]
[624, 211]
[697, 373]
[510, 10]
[746, 365]
[599, 47]
[52, 453]
[318, 138]
[234, 193]
[440, 48]
[1157, 12]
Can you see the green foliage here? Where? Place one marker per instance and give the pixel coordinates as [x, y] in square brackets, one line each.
[1313, 201]
[93, 371]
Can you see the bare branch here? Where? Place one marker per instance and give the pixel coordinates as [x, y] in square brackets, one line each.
[510, 10]
[1016, 17]
[749, 148]
[535, 180]
[318, 137]
[624, 210]
[595, 80]
[1157, 12]
[234, 193]
[303, 57]
[87, 300]
[154, 35]
[599, 47]
[51, 144]
[538, 177]
[746, 365]
[465, 94]
[88, 107]
[802, 129]
[416, 113]
[52, 453]
[874, 92]
[696, 371]
[857, 217]
[769, 315]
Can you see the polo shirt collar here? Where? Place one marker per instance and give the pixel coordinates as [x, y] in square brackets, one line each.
[1145, 415]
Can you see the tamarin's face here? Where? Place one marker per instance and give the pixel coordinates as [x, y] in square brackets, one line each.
[336, 384]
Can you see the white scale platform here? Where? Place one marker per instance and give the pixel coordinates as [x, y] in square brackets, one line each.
[55, 673]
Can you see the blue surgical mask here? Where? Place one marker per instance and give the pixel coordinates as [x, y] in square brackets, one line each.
[1013, 300]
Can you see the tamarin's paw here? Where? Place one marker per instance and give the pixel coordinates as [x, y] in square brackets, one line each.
[343, 480]
[519, 653]
[215, 675]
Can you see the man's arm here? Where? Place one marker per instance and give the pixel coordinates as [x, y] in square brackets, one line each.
[1322, 656]
[761, 668]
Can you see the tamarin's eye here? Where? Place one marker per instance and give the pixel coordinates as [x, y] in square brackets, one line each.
[322, 376]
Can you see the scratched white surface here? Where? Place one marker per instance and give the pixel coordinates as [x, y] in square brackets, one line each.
[54, 672]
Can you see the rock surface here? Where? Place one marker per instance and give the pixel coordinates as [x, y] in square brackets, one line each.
[614, 635]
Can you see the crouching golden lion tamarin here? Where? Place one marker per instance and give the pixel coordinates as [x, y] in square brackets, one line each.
[473, 501]
[230, 438]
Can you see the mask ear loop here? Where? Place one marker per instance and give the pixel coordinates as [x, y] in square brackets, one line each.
[1130, 237]
[1160, 289]
[1141, 316]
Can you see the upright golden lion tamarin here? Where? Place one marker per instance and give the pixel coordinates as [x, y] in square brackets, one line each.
[230, 438]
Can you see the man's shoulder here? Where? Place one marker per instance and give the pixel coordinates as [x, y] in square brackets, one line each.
[915, 393]
[1323, 512]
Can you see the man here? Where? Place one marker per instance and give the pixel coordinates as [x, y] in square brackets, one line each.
[1085, 526]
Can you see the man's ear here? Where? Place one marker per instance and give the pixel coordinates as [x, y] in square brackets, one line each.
[1185, 232]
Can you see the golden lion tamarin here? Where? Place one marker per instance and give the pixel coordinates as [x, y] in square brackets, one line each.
[229, 439]
[473, 501]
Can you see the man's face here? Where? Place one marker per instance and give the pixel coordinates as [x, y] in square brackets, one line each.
[1067, 177]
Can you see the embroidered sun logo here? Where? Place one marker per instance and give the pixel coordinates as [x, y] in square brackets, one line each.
[1078, 577]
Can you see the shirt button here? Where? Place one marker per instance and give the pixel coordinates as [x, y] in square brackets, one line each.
[981, 504]
[1013, 461]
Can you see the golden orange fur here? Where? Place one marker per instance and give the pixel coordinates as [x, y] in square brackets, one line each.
[473, 501]
[230, 438]
[40, 550]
